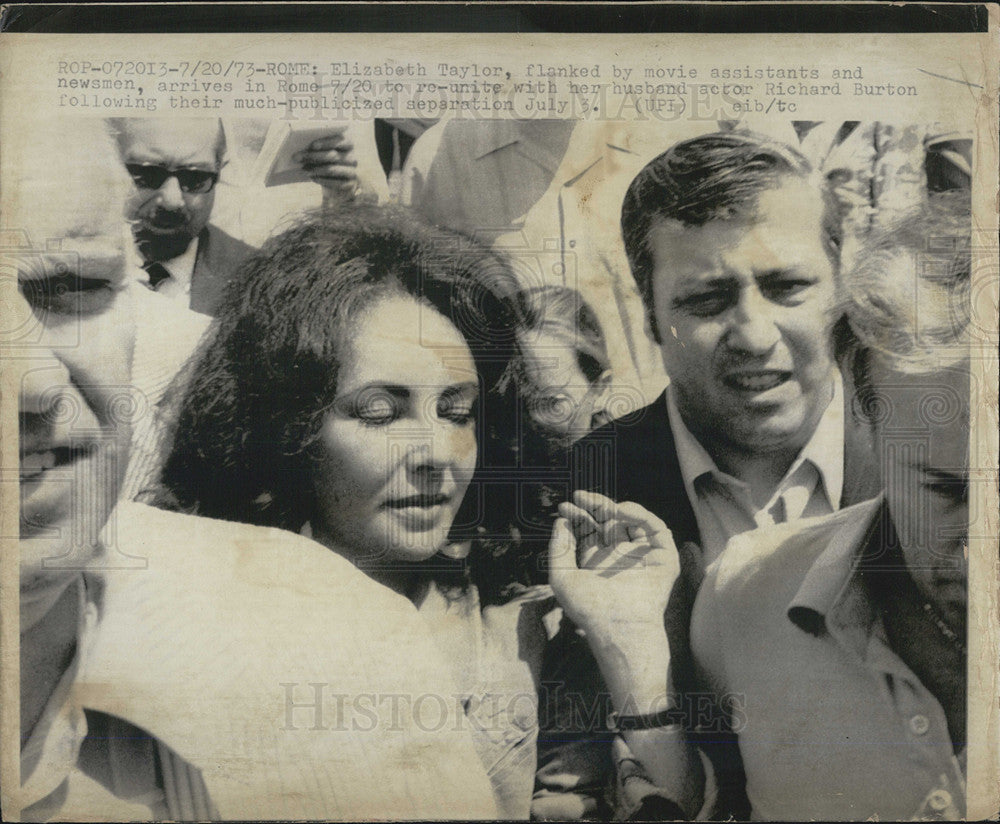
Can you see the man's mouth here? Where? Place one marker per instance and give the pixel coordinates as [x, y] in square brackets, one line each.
[36, 463]
[758, 380]
[164, 222]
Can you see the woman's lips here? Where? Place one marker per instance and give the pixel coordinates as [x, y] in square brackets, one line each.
[419, 513]
[417, 502]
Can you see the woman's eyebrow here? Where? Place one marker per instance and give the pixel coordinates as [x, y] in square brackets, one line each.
[395, 389]
[465, 388]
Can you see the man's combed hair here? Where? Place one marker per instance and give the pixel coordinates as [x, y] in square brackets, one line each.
[259, 390]
[713, 177]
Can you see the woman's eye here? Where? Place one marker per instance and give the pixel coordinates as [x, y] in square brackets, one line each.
[460, 412]
[376, 409]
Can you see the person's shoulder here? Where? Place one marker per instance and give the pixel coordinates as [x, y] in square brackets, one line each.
[781, 555]
[215, 560]
[222, 243]
[646, 419]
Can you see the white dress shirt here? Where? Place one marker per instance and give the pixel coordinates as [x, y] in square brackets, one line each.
[723, 505]
[181, 268]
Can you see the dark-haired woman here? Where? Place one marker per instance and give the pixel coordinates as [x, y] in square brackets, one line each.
[350, 394]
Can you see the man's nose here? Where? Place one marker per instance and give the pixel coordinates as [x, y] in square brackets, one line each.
[753, 328]
[170, 195]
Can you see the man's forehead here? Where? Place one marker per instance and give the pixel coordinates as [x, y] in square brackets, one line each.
[784, 222]
[176, 142]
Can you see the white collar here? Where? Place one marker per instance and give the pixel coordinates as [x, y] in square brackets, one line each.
[181, 268]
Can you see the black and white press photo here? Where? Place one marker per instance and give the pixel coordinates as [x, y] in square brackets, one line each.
[499, 427]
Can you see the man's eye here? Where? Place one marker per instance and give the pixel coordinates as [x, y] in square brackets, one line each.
[706, 304]
[956, 491]
[782, 290]
[376, 409]
[67, 294]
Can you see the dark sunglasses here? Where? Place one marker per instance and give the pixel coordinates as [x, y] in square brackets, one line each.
[191, 181]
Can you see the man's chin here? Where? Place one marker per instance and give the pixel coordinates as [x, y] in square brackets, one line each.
[162, 245]
[52, 557]
[771, 433]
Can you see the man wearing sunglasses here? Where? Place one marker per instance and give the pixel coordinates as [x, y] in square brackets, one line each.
[175, 165]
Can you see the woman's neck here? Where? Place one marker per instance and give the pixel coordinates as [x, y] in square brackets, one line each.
[407, 579]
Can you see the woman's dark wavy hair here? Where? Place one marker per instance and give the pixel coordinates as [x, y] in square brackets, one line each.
[257, 393]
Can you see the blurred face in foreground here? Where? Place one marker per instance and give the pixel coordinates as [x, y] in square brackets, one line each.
[71, 349]
[398, 448]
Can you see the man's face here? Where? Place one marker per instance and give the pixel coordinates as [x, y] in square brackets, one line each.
[744, 309]
[72, 356]
[167, 218]
[923, 444]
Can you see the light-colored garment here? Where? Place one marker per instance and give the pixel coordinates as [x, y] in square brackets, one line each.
[481, 176]
[723, 505]
[496, 653]
[785, 623]
[299, 687]
[167, 334]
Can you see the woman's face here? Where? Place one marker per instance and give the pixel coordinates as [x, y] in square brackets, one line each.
[397, 450]
[563, 402]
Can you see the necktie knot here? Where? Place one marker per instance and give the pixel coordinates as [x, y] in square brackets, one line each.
[157, 274]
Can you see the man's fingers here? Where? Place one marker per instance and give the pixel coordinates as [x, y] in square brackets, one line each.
[581, 521]
[334, 140]
[332, 173]
[562, 552]
[600, 506]
[630, 514]
[310, 161]
[638, 517]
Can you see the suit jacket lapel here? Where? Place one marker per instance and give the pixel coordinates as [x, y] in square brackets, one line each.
[672, 500]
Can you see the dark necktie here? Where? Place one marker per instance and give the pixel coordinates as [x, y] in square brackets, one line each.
[157, 274]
